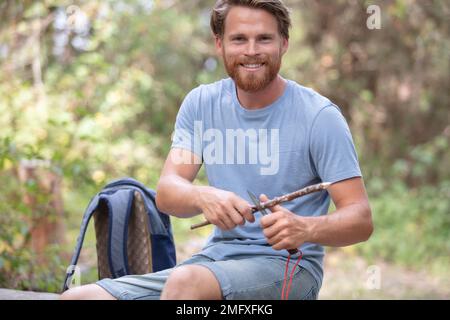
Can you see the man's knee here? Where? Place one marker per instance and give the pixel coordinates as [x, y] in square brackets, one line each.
[192, 283]
[72, 294]
[87, 292]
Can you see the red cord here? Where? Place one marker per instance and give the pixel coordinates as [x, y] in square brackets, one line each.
[285, 291]
[285, 277]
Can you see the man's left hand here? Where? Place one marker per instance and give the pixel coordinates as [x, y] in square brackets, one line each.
[284, 229]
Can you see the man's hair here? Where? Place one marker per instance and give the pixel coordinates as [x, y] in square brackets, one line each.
[275, 7]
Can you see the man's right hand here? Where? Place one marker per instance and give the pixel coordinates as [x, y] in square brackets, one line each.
[223, 208]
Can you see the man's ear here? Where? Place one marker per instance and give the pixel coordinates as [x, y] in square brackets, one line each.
[219, 44]
[284, 46]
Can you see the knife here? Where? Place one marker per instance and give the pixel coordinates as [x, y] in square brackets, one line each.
[264, 213]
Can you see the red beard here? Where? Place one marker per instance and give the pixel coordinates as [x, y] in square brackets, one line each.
[252, 81]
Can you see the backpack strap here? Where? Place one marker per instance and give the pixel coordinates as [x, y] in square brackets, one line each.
[119, 209]
[84, 224]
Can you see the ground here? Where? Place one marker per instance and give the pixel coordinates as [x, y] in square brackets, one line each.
[351, 277]
[9, 294]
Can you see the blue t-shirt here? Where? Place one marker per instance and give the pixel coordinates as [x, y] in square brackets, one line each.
[299, 140]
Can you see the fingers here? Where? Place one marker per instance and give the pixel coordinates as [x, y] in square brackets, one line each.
[280, 241]
[231, 217]
[215, 219]
[284, 230]
[267, 220]
[244, 209]
[278, 237]
[228, 211]
[270, 219]
[271, 231]
[282, 244]
[263, 198]
[227, 217]
[234, 216]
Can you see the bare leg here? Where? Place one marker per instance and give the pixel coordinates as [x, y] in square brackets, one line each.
[191, 282]
[87, 292]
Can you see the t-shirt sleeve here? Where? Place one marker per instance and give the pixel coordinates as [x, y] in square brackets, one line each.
[332, 150]
[187, 131]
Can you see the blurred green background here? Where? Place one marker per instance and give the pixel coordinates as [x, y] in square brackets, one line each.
[89, 92]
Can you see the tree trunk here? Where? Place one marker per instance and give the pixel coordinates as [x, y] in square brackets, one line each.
[42, 194]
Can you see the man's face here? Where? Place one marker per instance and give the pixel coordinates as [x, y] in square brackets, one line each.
[252, 47]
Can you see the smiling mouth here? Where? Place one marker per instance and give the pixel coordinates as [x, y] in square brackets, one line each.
[252, 66]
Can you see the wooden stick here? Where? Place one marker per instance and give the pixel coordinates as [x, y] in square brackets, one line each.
[280, 199]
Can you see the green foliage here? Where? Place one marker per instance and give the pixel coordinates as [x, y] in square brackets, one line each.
[16, 257]
[412, 227]
[392, 84]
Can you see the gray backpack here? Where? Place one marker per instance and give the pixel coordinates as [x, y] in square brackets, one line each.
[132, 235]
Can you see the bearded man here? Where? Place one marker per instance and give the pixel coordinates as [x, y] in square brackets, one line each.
[308, 140]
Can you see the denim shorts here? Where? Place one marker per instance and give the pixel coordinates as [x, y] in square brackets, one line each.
[243, 278]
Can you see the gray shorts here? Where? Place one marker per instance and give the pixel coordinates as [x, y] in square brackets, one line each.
[246, 278]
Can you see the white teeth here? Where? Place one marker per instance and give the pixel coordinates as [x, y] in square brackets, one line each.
[252, 66]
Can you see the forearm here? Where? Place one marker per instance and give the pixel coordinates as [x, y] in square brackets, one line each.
[345, 226]
[178, 196]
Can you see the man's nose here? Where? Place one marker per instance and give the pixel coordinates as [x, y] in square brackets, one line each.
[252, 48]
